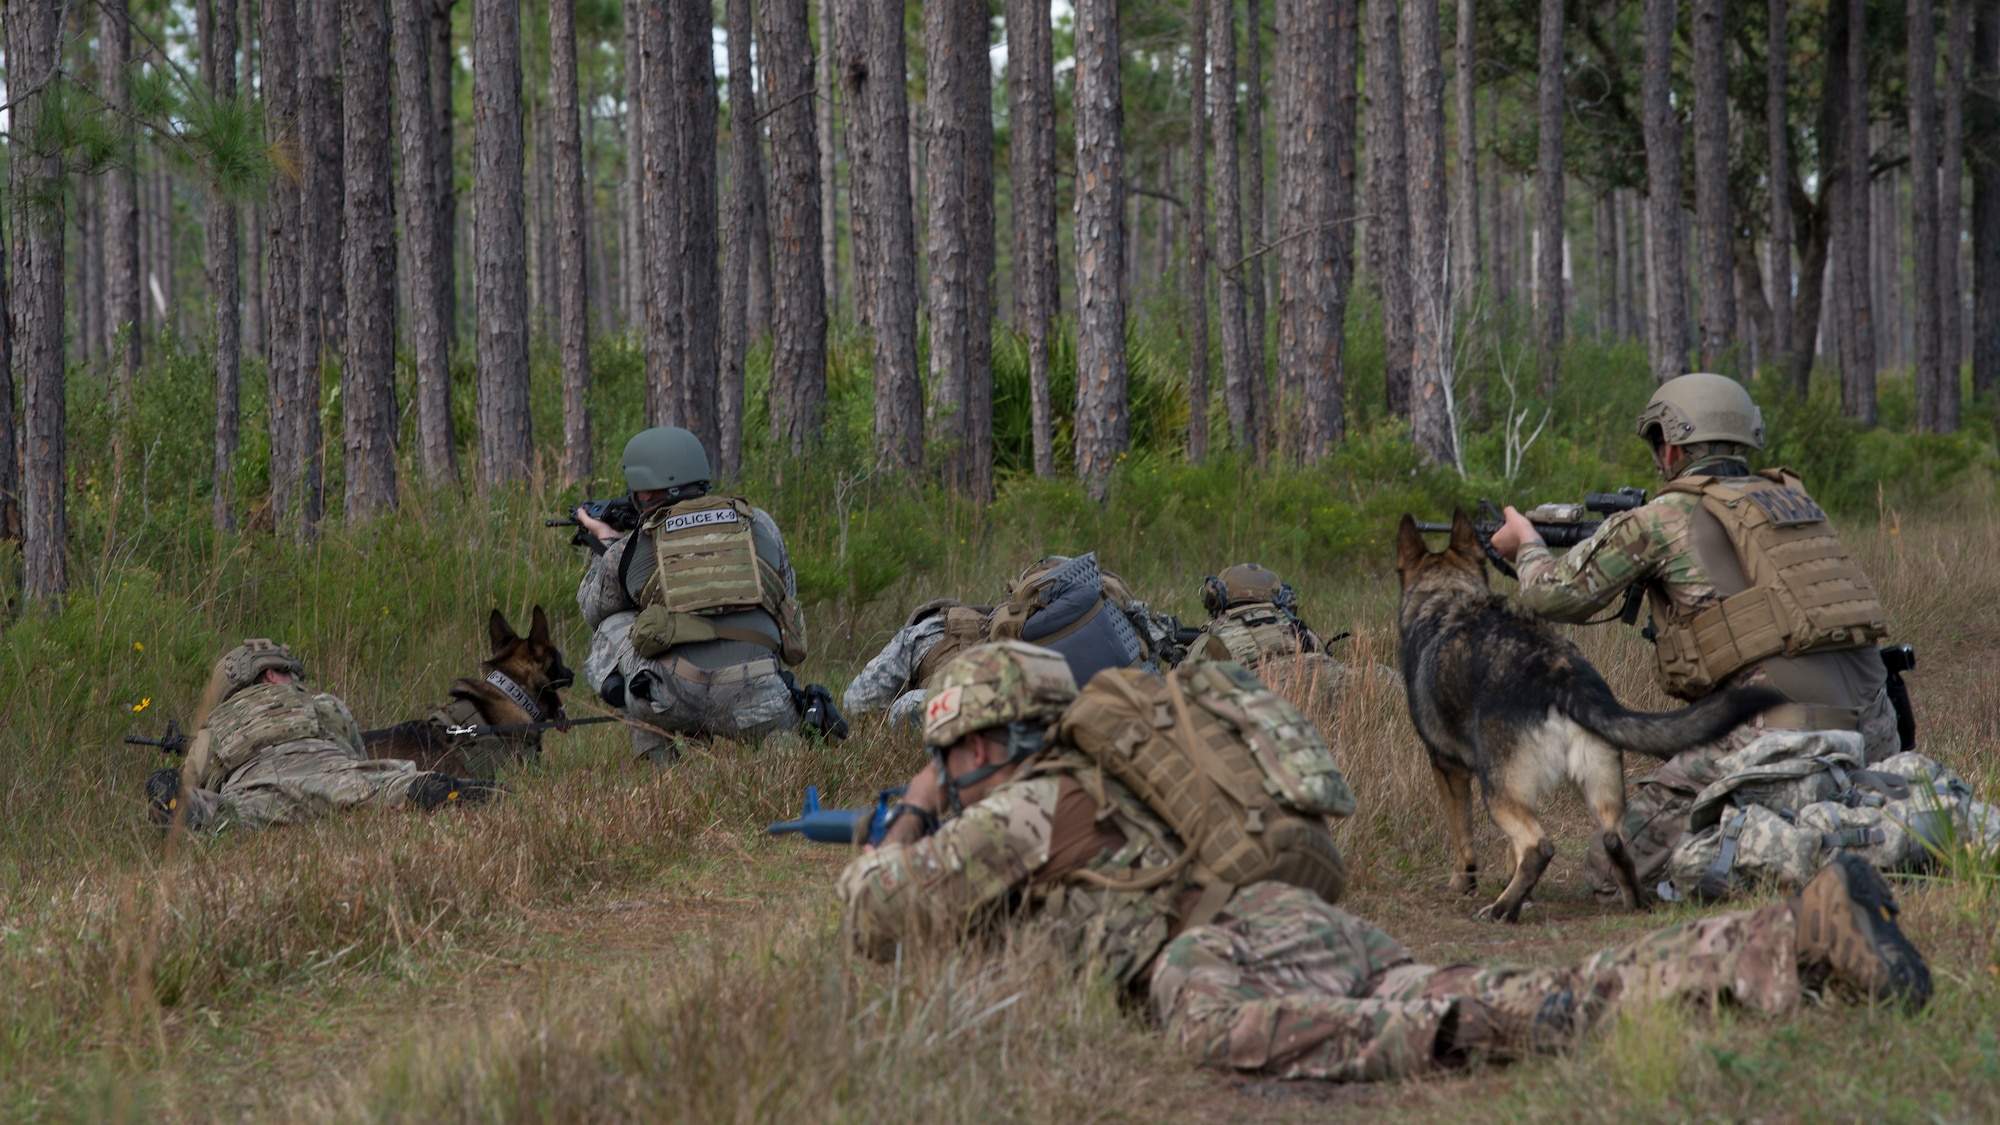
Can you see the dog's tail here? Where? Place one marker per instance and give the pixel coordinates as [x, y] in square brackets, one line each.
[1662, 734]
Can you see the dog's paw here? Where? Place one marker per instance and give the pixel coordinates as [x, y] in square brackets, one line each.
[1498, 912]
[1463, 883]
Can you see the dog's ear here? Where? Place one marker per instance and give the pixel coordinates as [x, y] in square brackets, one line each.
[539, 633]
[498, 632]
[1465, 537]
[1410, 549]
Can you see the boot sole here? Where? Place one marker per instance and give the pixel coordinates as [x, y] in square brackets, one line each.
[1907, 979]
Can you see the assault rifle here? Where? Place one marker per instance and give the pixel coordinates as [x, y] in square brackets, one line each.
[840, 826]
[173, 741]
[621, 513]
[1560, 525]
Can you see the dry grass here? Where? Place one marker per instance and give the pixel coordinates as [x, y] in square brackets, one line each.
[615, 944]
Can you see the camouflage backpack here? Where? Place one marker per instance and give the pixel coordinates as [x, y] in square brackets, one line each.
[1249, 635]
[263, 717]
[1237, 773]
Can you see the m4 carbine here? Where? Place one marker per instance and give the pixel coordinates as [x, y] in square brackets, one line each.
[621, 513]
[1560, 525]
[173, 741]
[840, 826]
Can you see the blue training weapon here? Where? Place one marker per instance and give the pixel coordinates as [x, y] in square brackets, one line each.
[841, 826]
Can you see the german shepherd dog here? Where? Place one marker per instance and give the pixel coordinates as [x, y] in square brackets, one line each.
[531, 666]
[1499, 694]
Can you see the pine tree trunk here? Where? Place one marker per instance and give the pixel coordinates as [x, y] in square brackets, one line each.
[121, 204]
[798, 311]
[746, 171]
[1982, 138]
[1778, 142]
[572, 288]
[1031, 113]
[1711, 186]
[1927, 374]
[430, 338]
[1231, 269]
[1465, 235]
[1502, 257]
[1195, 278]
[1951, 199]
[278, 42]
[1605, 230]
[1260, 280]
[324, 165]
[368, 361]
[10, 463]
[1664, 269]
[1549, 190]
[982, 245]
[224, 273]
[33, 33]
[661, 231]
[1389, 201]
[638, 278]
[499, 244]
[1103, 408]
[1433, 414]
[829, 182]
[443, 66]
[1858, 380]
[959, 295]
[695, 111]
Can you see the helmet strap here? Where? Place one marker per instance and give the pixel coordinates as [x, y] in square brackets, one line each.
[1024, 740]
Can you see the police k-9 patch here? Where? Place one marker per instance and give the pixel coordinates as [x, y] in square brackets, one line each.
[688, 520]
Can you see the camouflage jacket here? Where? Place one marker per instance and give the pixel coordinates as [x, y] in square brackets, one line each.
[1012, 857]
[1647, 545]
[267, 719]
[889, 677]
[1251, 633]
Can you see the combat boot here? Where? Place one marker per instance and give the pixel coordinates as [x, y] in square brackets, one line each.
[163, 796]
[1497, 1028]
[1848, 938]
[435, 790]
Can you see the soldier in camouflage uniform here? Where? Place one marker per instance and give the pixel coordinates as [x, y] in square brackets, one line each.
[1253, 620]
[1281, 981]
[1683, 559]
[695, 614]
[268, 752]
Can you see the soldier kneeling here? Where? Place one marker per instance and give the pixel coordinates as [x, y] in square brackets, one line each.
[268, 751]
[1269, 976]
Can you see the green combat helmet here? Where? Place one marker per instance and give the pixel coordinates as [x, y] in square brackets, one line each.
[665, 457]
[1007, 684]
[243, 665]
[1699, 408]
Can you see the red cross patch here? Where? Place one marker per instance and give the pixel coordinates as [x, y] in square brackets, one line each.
[943, 706]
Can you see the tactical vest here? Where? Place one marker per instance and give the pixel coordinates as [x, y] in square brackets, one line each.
[1805, 594]
[1249, 634]
[965, 626]
[1238, 774]
[263, 717]
[705, 563]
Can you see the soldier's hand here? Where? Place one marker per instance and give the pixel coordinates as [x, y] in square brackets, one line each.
[599, 530]
[1514, 533]
[922, 792]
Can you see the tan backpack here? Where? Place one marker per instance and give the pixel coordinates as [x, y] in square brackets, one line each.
[1238, 773]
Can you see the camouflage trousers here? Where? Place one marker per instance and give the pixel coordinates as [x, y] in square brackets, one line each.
[740, 701]
[1284, 983]
[284, 786]
[1656, 815]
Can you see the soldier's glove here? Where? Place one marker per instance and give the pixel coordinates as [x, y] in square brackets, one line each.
[613, 690]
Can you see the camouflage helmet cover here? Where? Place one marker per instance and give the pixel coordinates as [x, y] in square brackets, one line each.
[1702, 407]
[994, 685]
[246, 663]
[1239, 585]
[664, 457]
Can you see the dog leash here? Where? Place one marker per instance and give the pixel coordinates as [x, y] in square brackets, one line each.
[504, 728]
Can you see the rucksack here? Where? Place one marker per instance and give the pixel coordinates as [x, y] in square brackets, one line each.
[1237, 772]
[1077, 609]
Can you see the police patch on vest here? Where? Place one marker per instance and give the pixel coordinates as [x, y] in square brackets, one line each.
[688, 520]
[1788, 506]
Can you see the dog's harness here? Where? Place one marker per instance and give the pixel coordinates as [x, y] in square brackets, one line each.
[514, 692]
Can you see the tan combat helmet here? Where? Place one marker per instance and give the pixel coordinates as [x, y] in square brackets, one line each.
[1701, 407]
[1010, 685]
[243, 665]
[1239, 585]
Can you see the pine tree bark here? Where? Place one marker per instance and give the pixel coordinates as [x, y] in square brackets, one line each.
[982, 242]
[1031, 114]
[1951, 203]
[429, 333]
[1982, 139]
[959, 237]
[798, 309]
[638, 279]
[35, 168]
[1665, 272]
[1433, 414]
[662, 231]
[445, 178]
[10, 448]
[1465, 237]
[224, 272]
[499, 244]
[121, 205]
[1549, 190]
[286, 379]
[1261, 268]
[695, 112]
[368, 361]
[1194, 280]
[1921, 81]
[1605, 229]
[1858, 379]
[829, 182]
[1103, 408]
[1389, 201]
[572, 290]
[1778, 141]
[746, 175]
[1231, 269]
[1711, 185]
[324, 164]
[1316, 68]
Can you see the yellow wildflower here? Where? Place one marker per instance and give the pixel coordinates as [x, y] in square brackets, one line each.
[142, 704]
